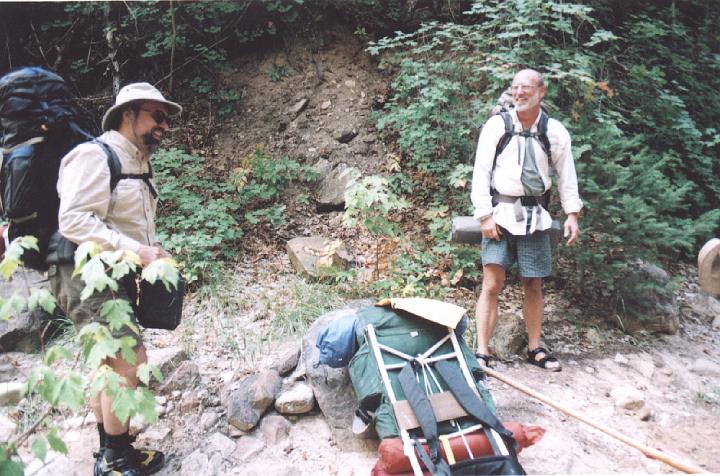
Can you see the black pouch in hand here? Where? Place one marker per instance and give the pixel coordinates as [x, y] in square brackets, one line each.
[158, 308]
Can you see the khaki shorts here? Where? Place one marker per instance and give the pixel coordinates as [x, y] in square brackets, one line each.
[67, 292]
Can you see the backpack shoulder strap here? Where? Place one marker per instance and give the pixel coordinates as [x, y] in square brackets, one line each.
[113, 163]
[116, 169]
[505, 138]
[542, 133]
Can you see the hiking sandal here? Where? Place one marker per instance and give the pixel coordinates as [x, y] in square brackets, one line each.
[486, 360]
[543, 361]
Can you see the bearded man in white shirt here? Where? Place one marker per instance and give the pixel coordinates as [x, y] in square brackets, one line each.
[118, 216]
[506, 194]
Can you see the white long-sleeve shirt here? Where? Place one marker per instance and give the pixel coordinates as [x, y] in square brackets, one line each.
[508, 170]
[123, 219]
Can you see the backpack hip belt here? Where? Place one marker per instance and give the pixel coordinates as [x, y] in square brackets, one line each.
[526, 200]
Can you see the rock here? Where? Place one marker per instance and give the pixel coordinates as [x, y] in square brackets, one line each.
[22, 331]
[509, 336]
[219, 443]
[208, 420]
[7, 428]
[332, 387]
[183, 378]
[705, 368]
[326, 105]
[620, 359]
[309, 255]
[190, 401]
[703, 305]
[196, 463]
[331, 190]
[628, 398]
[323, 167]
[166, 360]
[248, 447]
[10, 393]
[275, 428]
[253, 396]
[298, 107]
[155, 435]
[296, 400]
[649, 309]
[643, 364]
[287, 362]
[645, 413]
[345, 136]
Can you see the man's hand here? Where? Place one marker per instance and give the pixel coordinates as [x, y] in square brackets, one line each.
[148, 254]
[572, 229]
[489, 229]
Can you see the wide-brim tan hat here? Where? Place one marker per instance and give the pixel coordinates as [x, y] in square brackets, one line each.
[709, 267]
[136, 92]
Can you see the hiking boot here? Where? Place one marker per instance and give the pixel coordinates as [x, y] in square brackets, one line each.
[130, 462]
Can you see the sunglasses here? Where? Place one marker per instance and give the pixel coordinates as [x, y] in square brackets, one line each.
[157, 115]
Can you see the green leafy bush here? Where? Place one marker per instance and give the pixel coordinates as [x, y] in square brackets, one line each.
[199, 218]
[648, 173]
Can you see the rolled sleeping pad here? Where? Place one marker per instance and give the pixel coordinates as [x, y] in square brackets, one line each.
[467, 230]
[709, 267]
[392, 460]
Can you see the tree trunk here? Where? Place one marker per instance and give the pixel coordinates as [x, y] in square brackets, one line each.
[111, 10]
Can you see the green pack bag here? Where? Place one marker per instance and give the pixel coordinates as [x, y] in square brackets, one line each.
[411, 335]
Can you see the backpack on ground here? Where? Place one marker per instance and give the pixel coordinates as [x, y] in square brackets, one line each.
[40, 122]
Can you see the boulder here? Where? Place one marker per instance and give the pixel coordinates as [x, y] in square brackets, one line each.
[509, 336]
[295, 400]
[15, 366]
[331, 190]
[309, 255]
[332, 387]
[10, 393]
[21, 331]
[185, 376]
[252, 397]
[287, 362]
[703, 306]
[275, 428]
[166, 359]
[651, 310]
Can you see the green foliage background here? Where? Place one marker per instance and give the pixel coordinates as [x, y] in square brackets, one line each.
[635, 82]
[632, 82]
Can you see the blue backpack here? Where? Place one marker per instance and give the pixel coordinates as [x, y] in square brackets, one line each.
[337, 342]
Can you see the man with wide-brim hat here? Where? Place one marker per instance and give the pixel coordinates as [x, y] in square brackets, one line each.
[119, 215]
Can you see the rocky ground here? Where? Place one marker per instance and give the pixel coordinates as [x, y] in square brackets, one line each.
[662, 391]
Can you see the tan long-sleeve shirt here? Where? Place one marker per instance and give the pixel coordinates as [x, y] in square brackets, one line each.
[123, 219]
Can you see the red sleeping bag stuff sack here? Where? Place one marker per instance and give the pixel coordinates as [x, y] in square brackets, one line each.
[392, 460]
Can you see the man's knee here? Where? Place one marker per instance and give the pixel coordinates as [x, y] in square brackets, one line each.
[127, 369]
[532, 285]
[493, 279]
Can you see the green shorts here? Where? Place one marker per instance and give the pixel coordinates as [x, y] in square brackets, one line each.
[532, 253]
[67, 289]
